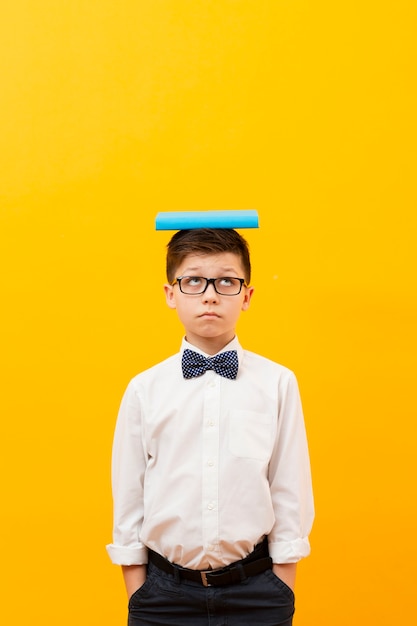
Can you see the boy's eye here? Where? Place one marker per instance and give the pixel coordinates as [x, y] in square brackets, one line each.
[193, 281]
[226, 282]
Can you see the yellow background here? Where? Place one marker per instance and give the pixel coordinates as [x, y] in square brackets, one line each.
[113, 111]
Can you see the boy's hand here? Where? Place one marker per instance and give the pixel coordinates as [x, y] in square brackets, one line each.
[286, 572]
[134, 577]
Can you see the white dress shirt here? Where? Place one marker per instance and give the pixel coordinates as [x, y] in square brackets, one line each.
[204, 468]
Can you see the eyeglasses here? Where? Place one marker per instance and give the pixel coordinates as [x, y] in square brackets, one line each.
[224, 286]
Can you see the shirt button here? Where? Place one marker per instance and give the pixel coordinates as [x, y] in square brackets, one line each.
[211, 422]
[210, 463]
[210, 547]
[210, 506]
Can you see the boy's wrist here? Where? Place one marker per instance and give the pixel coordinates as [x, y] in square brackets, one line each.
[134, 577]
[286, 572]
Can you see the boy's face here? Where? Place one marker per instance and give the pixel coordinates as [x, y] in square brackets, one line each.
[209, 319]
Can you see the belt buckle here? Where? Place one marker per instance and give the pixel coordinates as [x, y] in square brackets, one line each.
[203, 575]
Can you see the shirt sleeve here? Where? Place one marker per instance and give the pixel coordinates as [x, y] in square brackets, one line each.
[128, 469]
[290, 479]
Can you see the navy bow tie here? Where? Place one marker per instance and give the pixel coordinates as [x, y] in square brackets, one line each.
[195, 364]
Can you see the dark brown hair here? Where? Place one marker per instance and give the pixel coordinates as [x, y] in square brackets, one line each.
[206, 241]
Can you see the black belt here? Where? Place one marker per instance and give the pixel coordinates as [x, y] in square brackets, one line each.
[258, 561]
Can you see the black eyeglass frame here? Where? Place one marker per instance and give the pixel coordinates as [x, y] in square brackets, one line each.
[211, 281]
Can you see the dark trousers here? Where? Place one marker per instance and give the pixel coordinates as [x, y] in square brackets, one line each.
[261, 600]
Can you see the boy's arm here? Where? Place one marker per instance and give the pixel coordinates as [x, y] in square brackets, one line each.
[134, 577]
[128, 470]
[286, 572]
[290, 484]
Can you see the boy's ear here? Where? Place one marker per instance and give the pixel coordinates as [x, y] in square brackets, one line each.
[169, 296]
[247, 298]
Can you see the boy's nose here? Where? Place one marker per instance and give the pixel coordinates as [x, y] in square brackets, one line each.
[210, 293]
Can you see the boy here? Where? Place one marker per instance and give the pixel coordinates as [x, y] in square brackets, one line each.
[211, 478]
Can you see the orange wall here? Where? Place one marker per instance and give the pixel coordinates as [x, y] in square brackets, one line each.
[113, 111]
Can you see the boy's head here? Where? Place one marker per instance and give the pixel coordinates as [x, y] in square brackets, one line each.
[206, 241]
[208, 271]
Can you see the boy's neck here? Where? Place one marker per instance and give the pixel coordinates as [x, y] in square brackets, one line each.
[210, 345]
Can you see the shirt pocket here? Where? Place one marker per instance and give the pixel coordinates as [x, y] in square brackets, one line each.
[250, 435]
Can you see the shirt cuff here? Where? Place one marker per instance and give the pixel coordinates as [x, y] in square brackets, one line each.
[289, 551]
[120, 555]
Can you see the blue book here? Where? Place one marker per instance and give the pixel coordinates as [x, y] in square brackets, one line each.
[182, 220]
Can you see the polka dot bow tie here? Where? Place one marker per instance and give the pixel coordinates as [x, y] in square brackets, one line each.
[194, 364]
